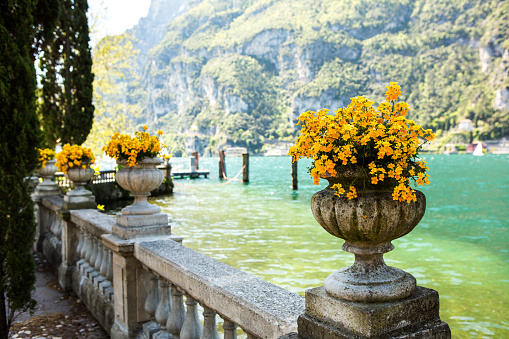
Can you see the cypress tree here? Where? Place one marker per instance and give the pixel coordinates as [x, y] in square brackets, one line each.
[67, 107]
[51, 94]
[19, 139]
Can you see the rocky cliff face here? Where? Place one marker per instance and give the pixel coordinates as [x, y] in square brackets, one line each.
[151, 29]
[242, 72]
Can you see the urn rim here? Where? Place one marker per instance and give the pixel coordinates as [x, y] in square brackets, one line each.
[146, 161]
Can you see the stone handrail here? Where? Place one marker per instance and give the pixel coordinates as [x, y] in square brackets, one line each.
[261, 309]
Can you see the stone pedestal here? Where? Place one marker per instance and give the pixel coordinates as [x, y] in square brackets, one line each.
[133, 226]
[79, 199]
[416, 316]
[47, 188]
[129, 279]
[74, 200]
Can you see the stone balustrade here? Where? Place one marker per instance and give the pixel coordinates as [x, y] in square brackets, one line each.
[261, 309]
[139, 281]
[92, 278]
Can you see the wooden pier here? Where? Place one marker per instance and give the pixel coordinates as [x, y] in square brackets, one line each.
[190, 174]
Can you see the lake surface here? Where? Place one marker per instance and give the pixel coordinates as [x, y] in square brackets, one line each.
[460, 248]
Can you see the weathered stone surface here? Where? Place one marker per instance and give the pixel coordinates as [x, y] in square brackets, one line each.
[368, 224]
[53, 203]
[92, 221]
[129, 296]
[142, 220]
[140, 180]
[265, 310]
[47, 187]
[76, 202]
[412, 317]
[98, 303]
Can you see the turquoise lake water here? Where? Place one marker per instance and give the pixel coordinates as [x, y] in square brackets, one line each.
[460, 248]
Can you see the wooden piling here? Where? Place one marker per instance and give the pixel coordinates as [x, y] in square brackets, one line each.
[294, 174]
[245, 165]
[222, 165]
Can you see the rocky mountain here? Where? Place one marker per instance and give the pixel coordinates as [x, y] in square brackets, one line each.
[239, 72]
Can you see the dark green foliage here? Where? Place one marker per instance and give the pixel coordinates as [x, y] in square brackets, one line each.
[51, 95]
[19, 138]
[66, 107]
[79, 110]
[46, 16]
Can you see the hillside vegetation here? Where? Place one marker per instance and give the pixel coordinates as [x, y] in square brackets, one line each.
[242, 71]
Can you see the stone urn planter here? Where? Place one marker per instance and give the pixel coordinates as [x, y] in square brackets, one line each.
[80, 177]
[48, 186]
[140, 180]
[48, 172]
[368, 224]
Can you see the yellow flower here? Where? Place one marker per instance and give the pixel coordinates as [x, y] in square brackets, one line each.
[134, 149]
[381, 138]
[100, 207]
[339, 189]
[145, 127]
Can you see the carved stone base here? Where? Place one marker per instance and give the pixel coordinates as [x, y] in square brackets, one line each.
[149, 328]
[76, 202]
[47, 189]
[65, 276]
[134, 226]
[416, 316]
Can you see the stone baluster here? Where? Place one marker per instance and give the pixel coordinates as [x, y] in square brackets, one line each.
[86, 243]
[152, 296]
[209, 324]
[98, 278]
[80, 244]
[93, 256]
[163, 310]
[87, 253]
[104, 265]
[99, 258]
[177, 315]
[192, 328]
[109, 272]
[230, 329]
[80, 251]
[91, 273]
[150, 306]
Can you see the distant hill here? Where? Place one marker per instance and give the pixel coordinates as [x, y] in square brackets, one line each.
[242, 71]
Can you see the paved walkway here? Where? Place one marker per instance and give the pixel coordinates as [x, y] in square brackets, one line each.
[56, 316]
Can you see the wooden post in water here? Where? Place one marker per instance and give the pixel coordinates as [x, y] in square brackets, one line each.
[294, 174]
[222, 165]
[245, 164]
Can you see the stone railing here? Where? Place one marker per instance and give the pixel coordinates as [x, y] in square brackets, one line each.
[261, 309]
[139, 281]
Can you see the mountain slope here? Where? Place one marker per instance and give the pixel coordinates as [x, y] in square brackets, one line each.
[242, 71]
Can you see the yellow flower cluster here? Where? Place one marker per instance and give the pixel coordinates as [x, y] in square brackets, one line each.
[122, 146]
[74, 156]
[380, 140]
[45, 154]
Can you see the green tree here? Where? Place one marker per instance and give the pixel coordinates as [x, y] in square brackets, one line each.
[66, 106]
[19, 139]
[115, 84]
